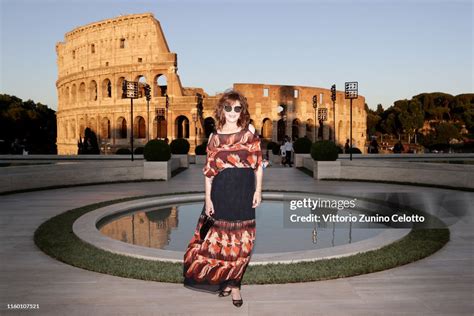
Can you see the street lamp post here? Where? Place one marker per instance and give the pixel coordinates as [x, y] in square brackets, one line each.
[315, 106]
[131, 125]
[281, 109]
[351, 92]
[322, 116]
[195, 128]
[167, 103]
[199, 110]
[130, 90]
[148, 98]
[333, 98]
[160, 116]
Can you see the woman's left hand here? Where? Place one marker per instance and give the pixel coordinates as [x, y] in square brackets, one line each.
[257, 198]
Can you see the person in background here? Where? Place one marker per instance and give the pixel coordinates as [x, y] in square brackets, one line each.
[374, 146]
[289, 150]
[398, 148]
[283, 153]
[346, 147]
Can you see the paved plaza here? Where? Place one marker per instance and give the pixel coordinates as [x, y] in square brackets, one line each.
[441, 284]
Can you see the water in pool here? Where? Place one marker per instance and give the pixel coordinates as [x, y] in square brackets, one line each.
[171, 228]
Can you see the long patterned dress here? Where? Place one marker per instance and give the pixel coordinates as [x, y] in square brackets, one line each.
[223, 256]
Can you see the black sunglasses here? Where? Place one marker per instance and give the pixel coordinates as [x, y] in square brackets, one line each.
[228, 108]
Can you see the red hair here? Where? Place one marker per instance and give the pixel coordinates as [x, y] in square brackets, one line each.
[229, 98]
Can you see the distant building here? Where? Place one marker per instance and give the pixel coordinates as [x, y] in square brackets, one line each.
[95, 59]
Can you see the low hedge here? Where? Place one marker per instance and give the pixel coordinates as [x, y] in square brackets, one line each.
[123, 151]
[200, 150]
[324, 150]
[157, 150]
[179, 146]
[302, 145]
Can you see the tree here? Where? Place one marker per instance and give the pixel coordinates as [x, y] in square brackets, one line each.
[379, 110]
[34, 124]
[410, 115]
[390, 123]
[435, 105]
[445, 132]
[463, 110]
[373, 120]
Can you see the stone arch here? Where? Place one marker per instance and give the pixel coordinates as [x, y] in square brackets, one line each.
[93, 125]
[209, 126]
[121, 127]
[105, 128]
[160, 127]
[61, 94]
[347, 128]
[295, 129]
[106, 89]
[63, 131]
[72, 129]
[142, 81]
[68, 95]
[281, 130]
[139, 128]
[93, 90]
[74, 93]
[82, 92]
[160, 85]
[119, 89]
[82, 126]
[267, 128]
[310, 128]
[182, 127]
[354, 133]
[66, 129]
[340, 136]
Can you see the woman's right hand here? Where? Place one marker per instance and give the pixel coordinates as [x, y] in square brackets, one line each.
[209, 208]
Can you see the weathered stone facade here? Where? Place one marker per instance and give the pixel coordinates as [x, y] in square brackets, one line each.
[299, 119]
[94, 60]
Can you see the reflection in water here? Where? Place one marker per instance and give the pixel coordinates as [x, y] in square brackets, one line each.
[149, 229]
[159, 229]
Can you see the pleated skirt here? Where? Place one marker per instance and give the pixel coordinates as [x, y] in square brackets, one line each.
[223, 256]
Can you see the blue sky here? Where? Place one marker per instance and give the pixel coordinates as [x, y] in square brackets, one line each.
[395, 49]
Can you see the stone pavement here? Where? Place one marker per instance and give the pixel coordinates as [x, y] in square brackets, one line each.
[441, 284]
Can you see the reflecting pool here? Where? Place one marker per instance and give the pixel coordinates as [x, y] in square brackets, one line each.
[172, 227]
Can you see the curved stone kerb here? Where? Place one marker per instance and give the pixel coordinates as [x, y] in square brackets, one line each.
[85, 228]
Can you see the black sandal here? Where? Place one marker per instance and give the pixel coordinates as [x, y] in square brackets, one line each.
[237, 303]
[225, 293]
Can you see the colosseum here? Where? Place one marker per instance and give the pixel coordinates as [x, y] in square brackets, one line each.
[95, 59]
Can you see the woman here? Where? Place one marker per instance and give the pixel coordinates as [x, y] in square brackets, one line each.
[233, 186]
